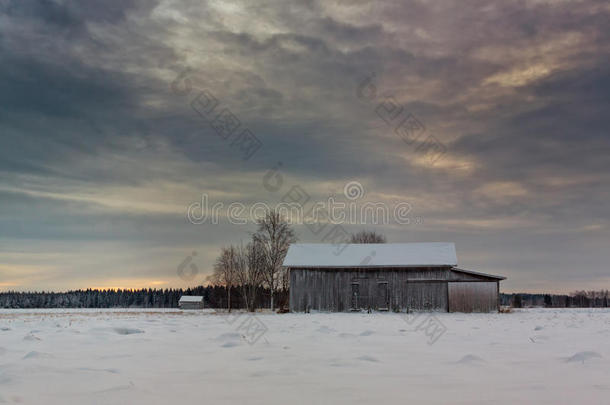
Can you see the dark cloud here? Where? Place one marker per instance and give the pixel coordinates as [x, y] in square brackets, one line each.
[69, 13]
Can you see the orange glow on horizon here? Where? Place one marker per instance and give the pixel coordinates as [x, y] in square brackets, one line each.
[129, 284]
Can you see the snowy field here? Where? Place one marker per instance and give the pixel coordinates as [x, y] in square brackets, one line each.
[172, 357]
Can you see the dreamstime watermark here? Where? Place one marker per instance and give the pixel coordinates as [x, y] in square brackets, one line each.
[334, 234]
[332, 210]
[188, 273]
[226, 124]
[249, 326]
[406, 126]
[427, 323]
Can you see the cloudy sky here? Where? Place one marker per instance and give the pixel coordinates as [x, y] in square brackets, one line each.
[100, 155]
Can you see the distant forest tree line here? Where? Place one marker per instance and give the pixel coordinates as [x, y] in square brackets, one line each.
[577, 299]
[214, 297]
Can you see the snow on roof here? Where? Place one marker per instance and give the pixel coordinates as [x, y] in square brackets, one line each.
[191, 298]
[371, 255]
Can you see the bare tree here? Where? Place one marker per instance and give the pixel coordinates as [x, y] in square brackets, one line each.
[225, 271]
[249, 272]
[365, 236]
[274, 236]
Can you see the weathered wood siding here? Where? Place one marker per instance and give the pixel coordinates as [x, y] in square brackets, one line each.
[191, 305]
[347, 289]
[473, 296]
[425, 296]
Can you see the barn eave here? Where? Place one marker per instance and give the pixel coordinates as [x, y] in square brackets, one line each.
[476, 273]
[371, 266]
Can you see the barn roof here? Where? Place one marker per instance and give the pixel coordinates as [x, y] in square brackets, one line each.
[371, 255]
[191, 298]
[478, 273]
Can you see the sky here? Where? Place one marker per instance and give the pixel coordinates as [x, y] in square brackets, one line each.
[108, 134]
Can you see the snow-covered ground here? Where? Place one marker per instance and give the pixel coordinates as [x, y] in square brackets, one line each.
[171, 357]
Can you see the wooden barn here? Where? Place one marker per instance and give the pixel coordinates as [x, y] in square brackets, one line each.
[191, 302]
[386, 277]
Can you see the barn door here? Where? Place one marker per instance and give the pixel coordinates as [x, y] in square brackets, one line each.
[474, 296]
[383, 301]
[355, 296]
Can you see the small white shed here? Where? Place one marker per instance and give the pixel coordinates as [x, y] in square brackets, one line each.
[191, 302]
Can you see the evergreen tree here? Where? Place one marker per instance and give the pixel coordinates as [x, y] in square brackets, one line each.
[548, 301]
[517, 303]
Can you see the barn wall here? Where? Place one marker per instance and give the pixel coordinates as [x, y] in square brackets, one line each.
[473, 296]
[386, 288]
[425, 296]
[191, 305]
